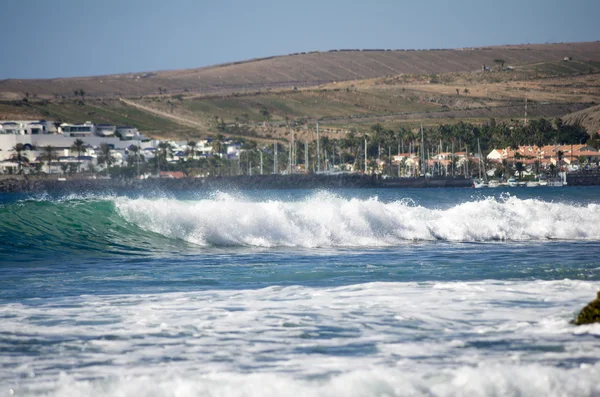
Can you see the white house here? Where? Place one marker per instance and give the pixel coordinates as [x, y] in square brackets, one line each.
[27, 127]
[10, 128]
[105, 130]
[127, 133]
[234, 150]
[86, 129]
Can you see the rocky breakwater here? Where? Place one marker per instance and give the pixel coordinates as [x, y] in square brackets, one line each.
[295, 181]
[584, 178]
[81, 185]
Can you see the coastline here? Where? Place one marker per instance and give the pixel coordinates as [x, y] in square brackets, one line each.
[297, 181]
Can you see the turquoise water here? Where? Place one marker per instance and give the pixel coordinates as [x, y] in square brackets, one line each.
[315, 293]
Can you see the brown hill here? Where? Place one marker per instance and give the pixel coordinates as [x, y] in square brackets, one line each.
[299, 70]
[587, 118]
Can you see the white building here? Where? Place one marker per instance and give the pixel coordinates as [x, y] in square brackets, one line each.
[105, 130]
[84, 130]
[27, 127]
[127, 133]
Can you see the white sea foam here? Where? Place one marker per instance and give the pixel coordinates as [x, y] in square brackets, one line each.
[326, 220]
[496, 380]
[437, 339]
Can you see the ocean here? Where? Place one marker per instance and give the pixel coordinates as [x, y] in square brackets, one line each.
[372, 292]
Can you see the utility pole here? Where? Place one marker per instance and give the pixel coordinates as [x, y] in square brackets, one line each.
[318, 149]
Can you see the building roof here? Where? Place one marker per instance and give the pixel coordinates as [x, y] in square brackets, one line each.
[172, 174]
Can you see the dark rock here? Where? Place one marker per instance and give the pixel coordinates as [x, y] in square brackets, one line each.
[591, 313]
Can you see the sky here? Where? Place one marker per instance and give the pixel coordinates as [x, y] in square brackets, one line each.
[66, 38]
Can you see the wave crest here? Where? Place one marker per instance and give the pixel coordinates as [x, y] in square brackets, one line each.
[327, 220]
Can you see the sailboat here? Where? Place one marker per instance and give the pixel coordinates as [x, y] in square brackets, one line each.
[481, 182]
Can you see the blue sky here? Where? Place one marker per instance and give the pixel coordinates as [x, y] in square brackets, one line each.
[63, 38]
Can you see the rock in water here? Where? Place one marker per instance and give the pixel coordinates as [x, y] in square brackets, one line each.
[590, 313]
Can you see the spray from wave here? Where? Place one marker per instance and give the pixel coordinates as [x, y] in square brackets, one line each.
[327, 220]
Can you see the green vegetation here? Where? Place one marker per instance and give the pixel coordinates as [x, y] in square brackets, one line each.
[304, 104]
[111, 112]
[591, 313]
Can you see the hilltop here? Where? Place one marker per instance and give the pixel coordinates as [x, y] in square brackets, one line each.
[299, 70]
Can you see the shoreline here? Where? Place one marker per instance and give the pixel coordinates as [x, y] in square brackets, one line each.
[296, 181]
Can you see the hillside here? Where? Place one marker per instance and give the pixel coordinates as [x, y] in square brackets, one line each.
[301, 70]
[588, 118]
[552, 88]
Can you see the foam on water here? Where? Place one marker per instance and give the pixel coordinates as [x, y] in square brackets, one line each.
[326, 220]
[442, 339]
[495, 380]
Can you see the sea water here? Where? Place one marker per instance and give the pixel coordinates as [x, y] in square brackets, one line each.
[434, 292]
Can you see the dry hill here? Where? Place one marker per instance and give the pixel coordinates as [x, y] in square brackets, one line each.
[299, 70]
[588, 118]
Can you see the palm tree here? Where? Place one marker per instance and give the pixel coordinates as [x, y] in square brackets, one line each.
[106, 156]
[48, 155]
[135, 155]
[520, 168]
[79, 147]
[19, 148]
[164, 148]
[191, 150]
[466, 91]
[217, 145]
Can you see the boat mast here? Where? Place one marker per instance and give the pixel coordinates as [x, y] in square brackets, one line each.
[261, 161]
[480, 161]
[275, 158]
[365, 155]
[306, 157]
[422, 150]
[318, 149]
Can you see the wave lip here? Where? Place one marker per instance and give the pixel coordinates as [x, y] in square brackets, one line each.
[326, 220]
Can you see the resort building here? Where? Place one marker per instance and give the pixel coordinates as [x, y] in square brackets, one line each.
[27, 127]
[106, 130]
[546, 155]
[127, 133]
[84, 130]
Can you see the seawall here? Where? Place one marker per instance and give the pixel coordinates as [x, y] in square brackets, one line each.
[584, 178]
[297, 181]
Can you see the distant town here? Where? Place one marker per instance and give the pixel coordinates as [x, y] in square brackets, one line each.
[60, 150]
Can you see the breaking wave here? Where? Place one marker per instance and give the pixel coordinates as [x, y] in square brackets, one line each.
[130, 225]
[327, 220]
